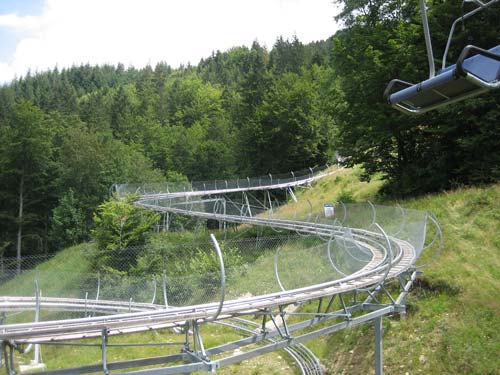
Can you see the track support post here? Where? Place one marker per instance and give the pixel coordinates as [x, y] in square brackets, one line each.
[379, 364]
[8, 355]
[164, 287]
[283, 320]
[104, 342]
[198, 346]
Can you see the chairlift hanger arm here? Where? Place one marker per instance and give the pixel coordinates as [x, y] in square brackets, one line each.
[427, 36]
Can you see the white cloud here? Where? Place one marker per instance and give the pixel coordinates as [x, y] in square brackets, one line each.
[13, 21]
[138, 32]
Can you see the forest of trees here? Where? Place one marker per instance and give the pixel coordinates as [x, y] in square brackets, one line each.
[68, 134]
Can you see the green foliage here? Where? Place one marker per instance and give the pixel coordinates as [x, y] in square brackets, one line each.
[119, 225]
[245, 111]
[384, 40]
[345, 196]
[26, 172]
[90, 163]
[206, 265]
[68, 224]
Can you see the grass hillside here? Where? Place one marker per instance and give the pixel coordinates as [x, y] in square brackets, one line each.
[453, 320]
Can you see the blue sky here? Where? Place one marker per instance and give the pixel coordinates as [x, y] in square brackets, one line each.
[21, 7]
[8, 38]
[37, 35]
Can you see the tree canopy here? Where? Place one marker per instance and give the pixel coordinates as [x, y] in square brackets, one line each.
[68, 135]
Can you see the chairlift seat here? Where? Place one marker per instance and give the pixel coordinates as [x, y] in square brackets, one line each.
[470, 76]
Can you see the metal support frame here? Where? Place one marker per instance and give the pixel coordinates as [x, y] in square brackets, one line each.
[283, 321]
[37, 348]
[8, 355]
[348, 313]
[379, 355]
[196, 356]
[276, 274]
[222, 277]
[104, 342]
[164, 287]
[292, 194]
[198, 346]
[249, 210]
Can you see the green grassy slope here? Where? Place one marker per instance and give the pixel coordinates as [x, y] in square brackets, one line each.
[61, 272]
[453, 322]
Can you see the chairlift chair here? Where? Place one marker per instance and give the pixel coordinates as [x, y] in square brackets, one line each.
[476, 71]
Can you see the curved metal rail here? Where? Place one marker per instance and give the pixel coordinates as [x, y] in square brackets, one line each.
[389, 257]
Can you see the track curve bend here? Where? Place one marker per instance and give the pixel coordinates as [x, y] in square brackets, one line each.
[383, 242]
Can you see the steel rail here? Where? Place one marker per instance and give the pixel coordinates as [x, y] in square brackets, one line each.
[389, 258]
[136, 322]
[302, 180]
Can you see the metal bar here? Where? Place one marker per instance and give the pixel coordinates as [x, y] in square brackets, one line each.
[247, 204]
[264, 321]
[11, 370]
[304, 337]
[222, 276]
[374, 212]
[328, 247]
[154, 290]
[278, 329]
[164, 287]
[320, 304]
[438, 235]
[379, 364]
[330, 303]
[104, 341]
[187, 368]
[36, 358]
[347, 315]
[199, 354]
[427, 36]
[98, 286]
[283, 320]
[86, 298]
[98, 345]
[402, 296]
[387, 293]
[276, 275]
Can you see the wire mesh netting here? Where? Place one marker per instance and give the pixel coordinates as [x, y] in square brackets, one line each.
[258, 260]
[213, 185]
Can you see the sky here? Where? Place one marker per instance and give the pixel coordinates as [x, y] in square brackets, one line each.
[37, 35]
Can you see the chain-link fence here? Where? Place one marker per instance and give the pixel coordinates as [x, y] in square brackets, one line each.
[214, 185]
[257, 260]
[12, 266]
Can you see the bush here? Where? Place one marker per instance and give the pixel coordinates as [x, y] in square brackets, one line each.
[345, 196]
[119, 225]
